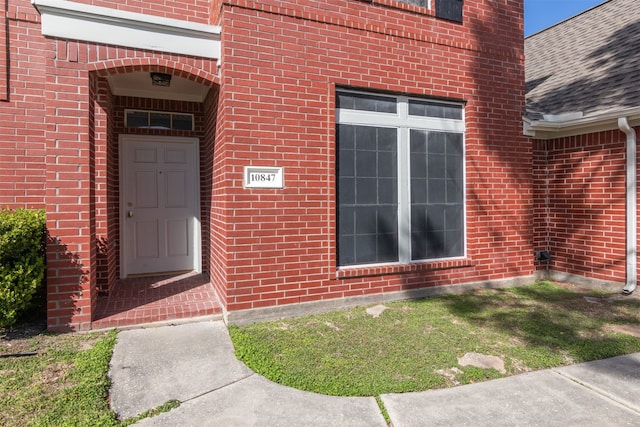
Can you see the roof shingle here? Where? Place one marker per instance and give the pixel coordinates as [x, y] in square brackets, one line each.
[589, 63]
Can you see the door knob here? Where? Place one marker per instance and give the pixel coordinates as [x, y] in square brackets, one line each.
[130, 214]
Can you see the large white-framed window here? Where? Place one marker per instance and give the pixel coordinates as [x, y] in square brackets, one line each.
[400, 179]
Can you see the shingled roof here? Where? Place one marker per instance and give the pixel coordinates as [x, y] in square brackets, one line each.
[589, 63]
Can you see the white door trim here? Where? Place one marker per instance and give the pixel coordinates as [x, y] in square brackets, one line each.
[197, 233]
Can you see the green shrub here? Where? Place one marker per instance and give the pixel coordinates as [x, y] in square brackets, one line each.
[22, 262]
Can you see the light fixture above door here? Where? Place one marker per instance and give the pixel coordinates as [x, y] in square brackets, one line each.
[160, 79]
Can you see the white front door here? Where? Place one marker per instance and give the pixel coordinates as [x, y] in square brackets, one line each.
[159, 204]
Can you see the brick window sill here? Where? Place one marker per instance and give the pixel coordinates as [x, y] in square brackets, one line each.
[382, 270]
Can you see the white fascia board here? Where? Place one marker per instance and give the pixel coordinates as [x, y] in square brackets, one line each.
[545, 129]
[70, 20]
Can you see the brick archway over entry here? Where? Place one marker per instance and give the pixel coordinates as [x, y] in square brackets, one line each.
[82, 171]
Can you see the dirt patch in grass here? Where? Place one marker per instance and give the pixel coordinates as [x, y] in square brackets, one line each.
[633, 330]
[53, 377]
[23, 338]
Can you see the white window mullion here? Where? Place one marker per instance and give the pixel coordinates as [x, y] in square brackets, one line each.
[404, 210]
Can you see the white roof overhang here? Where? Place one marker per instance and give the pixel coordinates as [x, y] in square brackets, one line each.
[70, 20]
[560, 126]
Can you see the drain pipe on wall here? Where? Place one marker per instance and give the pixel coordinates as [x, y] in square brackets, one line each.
[632, 233]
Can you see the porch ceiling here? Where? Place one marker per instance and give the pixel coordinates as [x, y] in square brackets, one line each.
[138, 84]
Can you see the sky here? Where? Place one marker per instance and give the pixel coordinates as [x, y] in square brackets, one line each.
[540, 14]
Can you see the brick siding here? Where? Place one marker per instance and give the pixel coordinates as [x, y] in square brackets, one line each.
[282, 64]
[200, 11]
[580, 200]
[22, 107]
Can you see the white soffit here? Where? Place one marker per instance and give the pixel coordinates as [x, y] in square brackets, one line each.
[70, 20]
[138, 84]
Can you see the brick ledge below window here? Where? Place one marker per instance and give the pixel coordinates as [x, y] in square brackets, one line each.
[382, 270]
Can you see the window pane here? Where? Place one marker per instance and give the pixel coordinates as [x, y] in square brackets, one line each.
[137, 119]
[346, 249]
[366, 191]
[387, 233]
[347, 188]
[436, 166]
[435, 109]
[160, 121]
[454, 191]
[347, 163]
[454, 230]
[437, 220]
[437, 143]
[455, 144]
[182, 122]
[356, 101]
[449, 9]
[436, 191]
[419, 190]
[346, 218]
[367, 195]
[388, 189]
[367, 162]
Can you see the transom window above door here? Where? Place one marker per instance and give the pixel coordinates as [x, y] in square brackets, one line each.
[400, 179]
[145, 119]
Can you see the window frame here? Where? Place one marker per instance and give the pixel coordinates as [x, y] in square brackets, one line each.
[404, 123]
[151, 113]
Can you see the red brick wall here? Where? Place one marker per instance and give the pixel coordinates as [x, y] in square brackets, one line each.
[282, 63]
[216, 11]
[222, 202]
[108, 234]
[200, 11]
[583, 180]
[70, 186]
[213, 243]
[22, 70]
[4, 55]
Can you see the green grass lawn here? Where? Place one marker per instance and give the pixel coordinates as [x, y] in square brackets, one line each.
[415, 345]
[65, 384]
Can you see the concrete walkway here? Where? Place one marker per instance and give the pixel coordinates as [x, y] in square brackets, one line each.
[194, 363]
